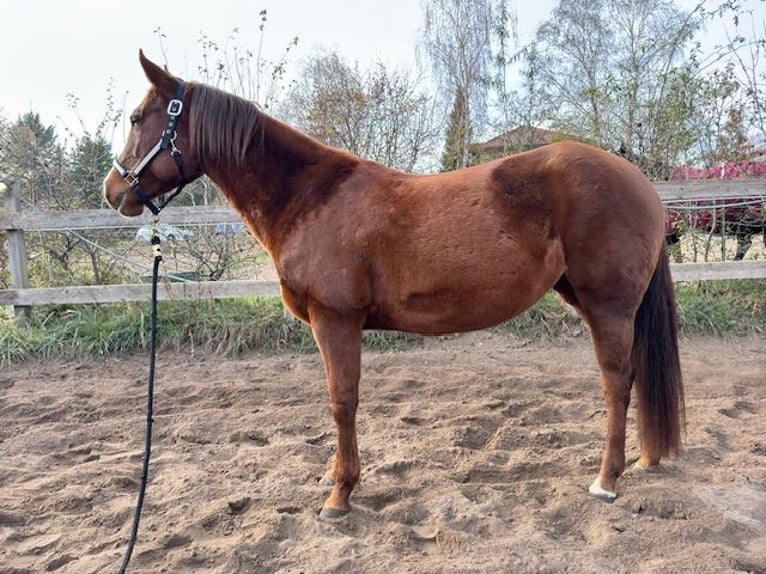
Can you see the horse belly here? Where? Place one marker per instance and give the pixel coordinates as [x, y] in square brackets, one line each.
[467, 299]
[449, 311]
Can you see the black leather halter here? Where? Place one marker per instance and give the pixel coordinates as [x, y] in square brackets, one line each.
[167, 140]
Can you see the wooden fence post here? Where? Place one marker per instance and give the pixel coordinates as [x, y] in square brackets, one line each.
[17, 249]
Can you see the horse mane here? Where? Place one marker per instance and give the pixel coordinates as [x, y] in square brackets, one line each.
[221, 125]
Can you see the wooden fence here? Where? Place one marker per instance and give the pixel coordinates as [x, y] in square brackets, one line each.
[14, 222]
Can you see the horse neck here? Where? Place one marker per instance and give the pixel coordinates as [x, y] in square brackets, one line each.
[284, 174]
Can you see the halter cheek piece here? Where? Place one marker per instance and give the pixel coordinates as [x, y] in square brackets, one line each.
[167, 140]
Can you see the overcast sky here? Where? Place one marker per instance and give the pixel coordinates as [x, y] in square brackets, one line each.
[51, 48]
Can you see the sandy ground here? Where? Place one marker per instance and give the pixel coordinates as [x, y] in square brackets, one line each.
[476, 450]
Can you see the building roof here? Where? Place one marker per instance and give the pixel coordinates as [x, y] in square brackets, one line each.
[520, 138]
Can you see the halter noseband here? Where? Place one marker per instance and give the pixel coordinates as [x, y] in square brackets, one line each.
[167, 140]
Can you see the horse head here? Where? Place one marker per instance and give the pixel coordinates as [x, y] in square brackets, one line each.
[157, 156]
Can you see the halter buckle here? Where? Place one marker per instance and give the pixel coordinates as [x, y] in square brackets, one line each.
[175, 107]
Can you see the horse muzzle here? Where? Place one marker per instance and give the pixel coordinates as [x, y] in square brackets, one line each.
[117, 195]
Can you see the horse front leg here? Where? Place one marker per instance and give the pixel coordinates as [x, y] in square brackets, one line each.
[339, 339]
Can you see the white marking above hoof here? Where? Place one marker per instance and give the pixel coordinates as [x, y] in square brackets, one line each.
[605, 495]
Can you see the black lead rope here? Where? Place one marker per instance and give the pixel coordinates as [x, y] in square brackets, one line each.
[167, 140]
[149, 404]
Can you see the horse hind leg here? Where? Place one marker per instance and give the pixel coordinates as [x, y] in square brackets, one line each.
[612, 338]
[636, 340]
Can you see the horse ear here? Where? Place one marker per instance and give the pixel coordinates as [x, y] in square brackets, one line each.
[161, 79]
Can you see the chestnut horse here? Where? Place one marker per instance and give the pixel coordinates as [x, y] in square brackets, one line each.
[358, 245]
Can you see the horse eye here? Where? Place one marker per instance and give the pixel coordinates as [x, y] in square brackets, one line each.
[134, 119]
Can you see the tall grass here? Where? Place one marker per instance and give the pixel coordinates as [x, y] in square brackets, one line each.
[723, 307]
[235, 326]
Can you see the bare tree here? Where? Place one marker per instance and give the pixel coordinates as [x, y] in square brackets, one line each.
[505, 33]
[378, 114]
[525, 110]
[616, 69]
[731, 118]
[238, 67]
[457, 39]
[572, 54]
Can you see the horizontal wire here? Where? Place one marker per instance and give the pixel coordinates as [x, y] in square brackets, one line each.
[109, 252]
[671, 204]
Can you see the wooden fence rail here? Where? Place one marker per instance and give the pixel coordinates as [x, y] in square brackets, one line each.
[14, 222]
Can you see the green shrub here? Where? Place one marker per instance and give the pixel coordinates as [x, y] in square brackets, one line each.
[722, 307]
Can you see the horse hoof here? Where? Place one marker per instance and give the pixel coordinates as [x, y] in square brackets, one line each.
[653, 468]
[603, 495]
[332, 513]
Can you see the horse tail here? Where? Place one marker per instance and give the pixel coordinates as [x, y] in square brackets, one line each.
[657, 368]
